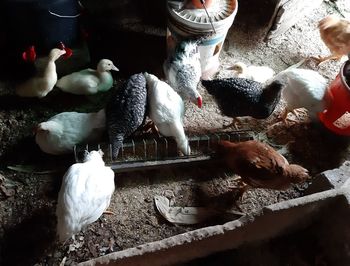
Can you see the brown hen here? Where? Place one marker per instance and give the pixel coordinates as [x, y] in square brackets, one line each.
[260, 166]
[335, 33]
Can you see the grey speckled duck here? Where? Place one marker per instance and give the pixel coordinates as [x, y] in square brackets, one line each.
[183, 71]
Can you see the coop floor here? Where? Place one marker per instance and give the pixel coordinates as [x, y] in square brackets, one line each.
[27, 202]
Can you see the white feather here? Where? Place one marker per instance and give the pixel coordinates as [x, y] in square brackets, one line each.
[167, 111]
[61, 132]
[89, 81]
[304, 88]
[85, 194]
[44, 81]
[256, 73]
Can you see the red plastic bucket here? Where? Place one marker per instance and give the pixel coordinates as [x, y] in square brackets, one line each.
[337, 98]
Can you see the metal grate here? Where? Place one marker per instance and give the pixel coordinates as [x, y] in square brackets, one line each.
[146, 153]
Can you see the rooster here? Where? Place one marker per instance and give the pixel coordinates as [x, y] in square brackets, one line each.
[243, 97]
[335, 33]
[303, 88]
[260, 166]
[85, 194]
[126, 111]
[167, 111]
[63, 131]
[44, 81]
[183, 71]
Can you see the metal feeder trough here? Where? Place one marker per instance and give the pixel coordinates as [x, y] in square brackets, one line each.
[149, 153]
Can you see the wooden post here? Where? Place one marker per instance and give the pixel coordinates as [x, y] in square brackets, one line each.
[287, 13]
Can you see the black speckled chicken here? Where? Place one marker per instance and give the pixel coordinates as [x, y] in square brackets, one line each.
[126, 111]
[243, 97]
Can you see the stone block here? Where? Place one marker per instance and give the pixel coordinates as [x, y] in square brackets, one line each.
[330, 179]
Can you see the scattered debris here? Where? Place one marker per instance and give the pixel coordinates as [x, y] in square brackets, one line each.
[103, 250]
[111, 244]
[184, 215]
[170, 195]
[30, 169]
[75, 245]
[7, 186]
[63, 261]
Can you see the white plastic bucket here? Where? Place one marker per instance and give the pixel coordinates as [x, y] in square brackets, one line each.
[194, 22]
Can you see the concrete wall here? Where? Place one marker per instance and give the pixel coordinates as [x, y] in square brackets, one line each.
[274, 220]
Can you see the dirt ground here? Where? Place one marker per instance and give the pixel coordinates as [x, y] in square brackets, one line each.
[28, 197]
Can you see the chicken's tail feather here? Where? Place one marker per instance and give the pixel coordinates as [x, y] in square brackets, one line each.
[285, 73]
[117, 143]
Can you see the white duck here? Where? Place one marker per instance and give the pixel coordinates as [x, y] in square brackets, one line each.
[85, 194]
[304, 88]
[61, 132]
[44, 81]
[167, 111]
[256, 73]
[89, 81]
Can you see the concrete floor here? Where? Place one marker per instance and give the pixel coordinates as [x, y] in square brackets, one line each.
[245, 43]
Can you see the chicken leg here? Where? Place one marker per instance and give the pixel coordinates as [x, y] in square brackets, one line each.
[234, 123]
[285, 119]
[242, 187]
[320, 59]
[283, 115]
[150, 127]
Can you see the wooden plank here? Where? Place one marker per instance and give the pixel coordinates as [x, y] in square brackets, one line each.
[287, 13]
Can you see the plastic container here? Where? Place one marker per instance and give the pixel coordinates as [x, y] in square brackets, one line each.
[42, 23]
[336, 116]
[189, 23]
[198, 4]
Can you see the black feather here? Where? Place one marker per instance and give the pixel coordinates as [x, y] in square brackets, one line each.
[126, 111]
[243, 97]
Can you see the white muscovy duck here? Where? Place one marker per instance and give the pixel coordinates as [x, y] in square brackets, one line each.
[89, 81]
[85, 194]
[44, 81]
[166, 109]
[61, 132]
